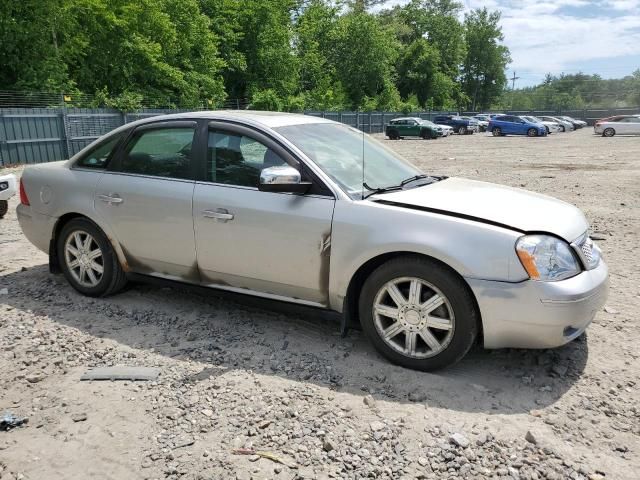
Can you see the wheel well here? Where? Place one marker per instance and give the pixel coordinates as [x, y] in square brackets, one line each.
[54, 261]
[357, 281]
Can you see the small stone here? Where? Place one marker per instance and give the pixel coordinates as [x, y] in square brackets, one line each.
[376, 426]
[459, 440]
[35, 378]
[559, 369]
[610, 310]
[423, 461]
[417, 396]
[79, 417]
[530, 437]
[482, 439]
[254, 458]
[328, 445]
[4, 291]
[369, 401]
[207, 412]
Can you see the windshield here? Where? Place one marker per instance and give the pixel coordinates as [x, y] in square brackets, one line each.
[427, 122]
[338, 150]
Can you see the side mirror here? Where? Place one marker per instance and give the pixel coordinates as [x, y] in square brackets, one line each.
[284, 179]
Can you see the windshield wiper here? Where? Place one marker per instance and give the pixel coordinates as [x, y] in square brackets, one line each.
[400, 186]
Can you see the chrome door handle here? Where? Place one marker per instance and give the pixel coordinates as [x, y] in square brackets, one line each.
[111, 199]
[218, 214]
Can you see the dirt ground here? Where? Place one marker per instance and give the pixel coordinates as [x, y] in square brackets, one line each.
[276, 379]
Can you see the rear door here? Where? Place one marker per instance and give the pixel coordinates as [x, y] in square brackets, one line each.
[276, 244]
[146, 197]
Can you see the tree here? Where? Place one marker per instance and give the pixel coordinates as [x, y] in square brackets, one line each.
[363, 55]
[483, 77]
[417, 70]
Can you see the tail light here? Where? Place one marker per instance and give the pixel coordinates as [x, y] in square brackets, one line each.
[24, 200]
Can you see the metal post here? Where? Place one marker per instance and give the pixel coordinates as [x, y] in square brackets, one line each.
[63, 136]
[65, 133]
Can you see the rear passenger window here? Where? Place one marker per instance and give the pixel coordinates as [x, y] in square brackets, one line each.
[99, 156]
[162, 152]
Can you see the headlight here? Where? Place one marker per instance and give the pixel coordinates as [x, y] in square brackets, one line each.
[546, 258]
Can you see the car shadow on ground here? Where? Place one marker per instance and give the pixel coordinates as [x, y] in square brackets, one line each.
[234, 332]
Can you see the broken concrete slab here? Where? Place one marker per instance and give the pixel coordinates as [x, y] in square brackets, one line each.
[122, 373]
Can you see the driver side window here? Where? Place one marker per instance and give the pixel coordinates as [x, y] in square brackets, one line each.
[235, 159]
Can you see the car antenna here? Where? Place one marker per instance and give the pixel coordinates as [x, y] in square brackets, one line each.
[363, 187]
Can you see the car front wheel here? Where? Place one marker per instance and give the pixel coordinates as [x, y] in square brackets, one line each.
[496, 131]
[532, 132]
[418, 314]
[4, 208]
[608, 132]
[87, 259]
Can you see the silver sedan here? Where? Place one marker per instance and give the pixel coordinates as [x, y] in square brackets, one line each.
[310, 211]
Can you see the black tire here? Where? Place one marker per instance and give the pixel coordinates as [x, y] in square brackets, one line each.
[394, 135]
[4, 207]
[113, 276]
[452, 287]
[462, 130]
[608, 132]
[564, 129]
[496, 131]
[532, 132]
[547, 129]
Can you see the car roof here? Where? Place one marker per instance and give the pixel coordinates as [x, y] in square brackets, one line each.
[264, 118]
[406, 118]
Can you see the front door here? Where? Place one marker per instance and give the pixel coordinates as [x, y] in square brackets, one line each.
[277, 244]
[146, 197]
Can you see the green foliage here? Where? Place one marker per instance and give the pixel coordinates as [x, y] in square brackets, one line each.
[575, 91]
[483, 77]
[266, 100]
[278, 54]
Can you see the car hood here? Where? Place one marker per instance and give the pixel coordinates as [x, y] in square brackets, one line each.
[495, 204]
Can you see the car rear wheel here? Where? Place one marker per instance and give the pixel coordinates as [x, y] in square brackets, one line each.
[418, 314]
[4, 208]
[563, 128]
[87, 259]
[496, 131]
[608, 132]
[532, 132]
[462, 130]
[394, 135]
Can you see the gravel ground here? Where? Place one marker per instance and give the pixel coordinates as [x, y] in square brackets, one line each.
[279, 383]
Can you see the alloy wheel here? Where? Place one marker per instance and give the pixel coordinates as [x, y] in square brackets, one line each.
[84, 258]
[413, 317]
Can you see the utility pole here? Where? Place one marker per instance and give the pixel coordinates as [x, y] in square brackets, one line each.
[513, 87]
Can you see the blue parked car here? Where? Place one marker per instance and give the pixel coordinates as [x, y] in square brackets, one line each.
[514, 125]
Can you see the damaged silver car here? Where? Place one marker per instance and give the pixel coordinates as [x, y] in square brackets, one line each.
[306, 210]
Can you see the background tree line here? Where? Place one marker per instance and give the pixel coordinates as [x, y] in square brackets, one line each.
[278, 54]
[574, 92]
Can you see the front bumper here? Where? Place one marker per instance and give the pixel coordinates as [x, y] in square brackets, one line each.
[599, 129]
[534, 314]
[8, 186]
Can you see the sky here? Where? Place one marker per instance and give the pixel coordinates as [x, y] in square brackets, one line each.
[567, 36]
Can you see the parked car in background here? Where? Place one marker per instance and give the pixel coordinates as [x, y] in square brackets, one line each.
[515, 125]
[8, 187]
[460, 125]
[621, 124]
[576, 123]
[298, 208]
[482, 116]
[565, 126]
[446, 130]
[482, 124]
[552, 127]
[411, 127]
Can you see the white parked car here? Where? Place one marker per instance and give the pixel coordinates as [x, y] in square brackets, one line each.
[552, 127]
[565, 126]
[576, 123]
[621, 124]
[8, 188]
[302, 209]
[446, 130]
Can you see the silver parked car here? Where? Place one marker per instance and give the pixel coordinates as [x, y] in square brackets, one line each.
[306, 210]
[565, 126]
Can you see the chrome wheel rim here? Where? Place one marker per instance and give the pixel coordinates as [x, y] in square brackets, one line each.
[84, 258]
[496, 132]
[413, 317]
